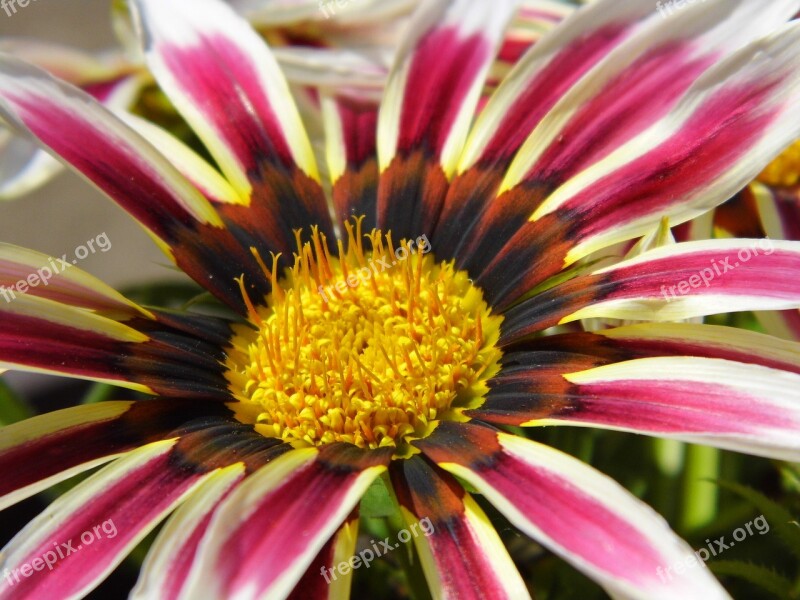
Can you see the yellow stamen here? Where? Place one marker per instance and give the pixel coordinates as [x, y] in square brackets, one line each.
[784, 171]
[373, 351]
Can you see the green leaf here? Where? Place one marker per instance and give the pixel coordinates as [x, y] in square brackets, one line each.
[377, 501]
[763, 577]
[99, 392]
[12, 407]
[780, 520]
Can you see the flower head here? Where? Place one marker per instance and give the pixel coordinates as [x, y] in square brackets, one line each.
[361, 352]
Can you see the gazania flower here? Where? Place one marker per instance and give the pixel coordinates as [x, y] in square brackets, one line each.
[406, 342]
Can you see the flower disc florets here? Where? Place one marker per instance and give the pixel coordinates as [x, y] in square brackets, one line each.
[372, 347]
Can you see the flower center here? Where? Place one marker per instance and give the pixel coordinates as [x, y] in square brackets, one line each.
[372, 347]
[784, 171]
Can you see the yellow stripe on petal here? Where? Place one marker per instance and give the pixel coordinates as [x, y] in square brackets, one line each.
[42, 425]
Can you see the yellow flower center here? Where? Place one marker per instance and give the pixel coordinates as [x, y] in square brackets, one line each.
[372, 347]
[784, 171]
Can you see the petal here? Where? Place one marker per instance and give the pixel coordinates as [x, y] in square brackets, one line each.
[164, 356]
[212, 250]
[57, 279]
[429, 103]
[540, 78]
[226, 84]
[79, 130]
[190, 164]
[350, 130]
[718, 386]
[117, 506]
[58, 445]
[729, 124]
[164, 571]
[727, 404]
[671, 283]
[269, 530]
[578, 513]
[461, 553]
[322, 581]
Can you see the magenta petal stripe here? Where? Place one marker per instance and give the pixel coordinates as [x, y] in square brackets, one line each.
[632, 89]
[40, 335]
[718, 386]
[428, 105]
[166, 569]
[725, 128]
[57, 445]
[169, 560]
[69, 123]
[732, 405]
[133, 494]
[575, 511]
[141, 180]
[227, 84]
[60, 281]
[525, 96]
[668, 284]
[128, 497]
[460, 551]
[268, 531]
[320, 581]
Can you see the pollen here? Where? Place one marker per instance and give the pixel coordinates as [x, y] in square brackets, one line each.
[784, 171]
[372, 345]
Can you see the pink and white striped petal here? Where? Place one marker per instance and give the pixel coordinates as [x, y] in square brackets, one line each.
[673, 283]
[79, 130]
[58, 445]
[731, 122]
[461, 554]
[324, 579]
[735, 118]
[544, 75]
[707, 341]
[59, 280]
[168, 563]
[226, 83]
[191, 165]
[26, 441]
[96, 524]
[737, 406]
[638, 84]
[439, 72]
[268, 531]
[575, 511]
[40, 335]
